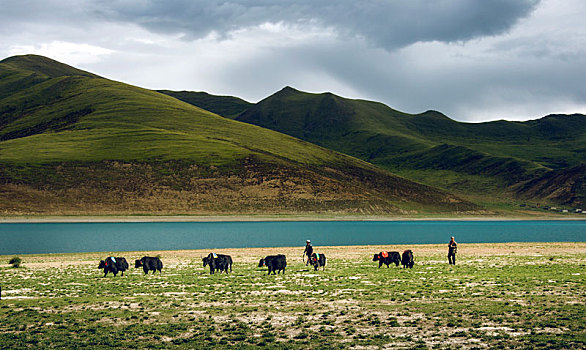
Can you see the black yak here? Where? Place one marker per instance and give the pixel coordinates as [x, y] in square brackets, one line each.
[149, 263]
[219, 262]
[275, 263]
[407, 259]
[387, 258]
[113, 265]
[318, 260]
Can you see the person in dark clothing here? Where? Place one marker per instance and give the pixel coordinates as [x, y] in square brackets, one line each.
[452, 248]
[308, 251]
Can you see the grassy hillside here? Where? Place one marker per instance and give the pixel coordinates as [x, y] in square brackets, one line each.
[486, 160]
[75, 143]
[226, 106]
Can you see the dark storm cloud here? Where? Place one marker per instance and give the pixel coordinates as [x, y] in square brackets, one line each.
[388, 24]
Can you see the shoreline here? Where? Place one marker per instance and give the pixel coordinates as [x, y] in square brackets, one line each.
[467, 252]
[267, 218]
[470, 250]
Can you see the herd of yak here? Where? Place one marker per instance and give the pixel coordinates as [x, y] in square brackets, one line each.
[221, 262]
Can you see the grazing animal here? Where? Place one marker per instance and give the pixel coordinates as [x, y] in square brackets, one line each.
[407, 259]
[387, 258]
[318, 260]
[113, 265]
[274, 263]
[218, 262]
[149, 263]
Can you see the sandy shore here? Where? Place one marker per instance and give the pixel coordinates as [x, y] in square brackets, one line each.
[466, 252]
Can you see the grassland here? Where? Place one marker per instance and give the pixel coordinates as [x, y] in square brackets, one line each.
[515, 295]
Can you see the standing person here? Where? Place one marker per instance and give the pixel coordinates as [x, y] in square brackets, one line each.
[452, 248]
[308, 251]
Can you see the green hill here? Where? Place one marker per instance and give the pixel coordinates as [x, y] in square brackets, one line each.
[226, 106]
[485, 162]
[75, 143]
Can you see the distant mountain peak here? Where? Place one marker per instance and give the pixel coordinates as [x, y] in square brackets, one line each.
[437, 115]
[288, 90]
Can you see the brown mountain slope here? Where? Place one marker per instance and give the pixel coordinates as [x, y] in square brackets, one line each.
[566, 186]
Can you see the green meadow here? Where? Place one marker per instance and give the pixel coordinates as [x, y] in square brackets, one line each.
[515, 295]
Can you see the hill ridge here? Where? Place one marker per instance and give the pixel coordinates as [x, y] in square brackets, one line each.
[44, 65]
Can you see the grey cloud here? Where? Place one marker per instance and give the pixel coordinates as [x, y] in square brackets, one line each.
[472, 89]
[389, 51]
[387, 24]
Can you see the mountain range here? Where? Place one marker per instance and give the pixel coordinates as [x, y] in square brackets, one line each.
[74, 143]
[492, 163]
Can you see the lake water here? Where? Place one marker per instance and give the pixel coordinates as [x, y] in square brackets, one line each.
[35, 238]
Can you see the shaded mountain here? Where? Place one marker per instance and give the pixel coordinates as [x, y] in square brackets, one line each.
[469, 159]
[226, 106]
[566, 186]
[465, 160]
[75, 143]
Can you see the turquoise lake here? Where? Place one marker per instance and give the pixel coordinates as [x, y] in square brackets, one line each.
[36, 238]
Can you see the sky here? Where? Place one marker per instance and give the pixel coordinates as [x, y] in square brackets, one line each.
[473, 60]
